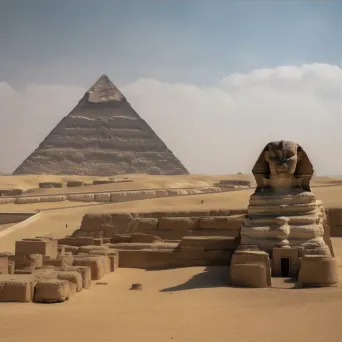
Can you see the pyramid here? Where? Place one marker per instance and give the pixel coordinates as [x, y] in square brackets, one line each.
[103, 135]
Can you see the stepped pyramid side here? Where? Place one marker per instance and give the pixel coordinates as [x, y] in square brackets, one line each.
[102, 135]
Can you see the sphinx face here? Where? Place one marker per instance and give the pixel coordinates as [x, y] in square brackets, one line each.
[282, 158]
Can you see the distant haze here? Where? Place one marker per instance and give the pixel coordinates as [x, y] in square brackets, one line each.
[216, 83]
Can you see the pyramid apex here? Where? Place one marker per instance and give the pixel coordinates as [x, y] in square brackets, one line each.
[103, 90]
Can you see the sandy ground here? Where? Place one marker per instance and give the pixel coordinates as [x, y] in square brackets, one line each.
[188, 304]
[138, 182]
[5, 226]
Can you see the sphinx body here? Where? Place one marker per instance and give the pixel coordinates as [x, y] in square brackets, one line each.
[283, 212]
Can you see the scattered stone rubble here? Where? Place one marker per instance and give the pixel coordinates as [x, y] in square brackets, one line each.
[44, 271]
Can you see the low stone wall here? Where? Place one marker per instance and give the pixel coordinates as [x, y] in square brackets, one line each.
[236, 182]
[14, 217]
[11, 192]
[168, 225]
[48, 185]
[110, 197]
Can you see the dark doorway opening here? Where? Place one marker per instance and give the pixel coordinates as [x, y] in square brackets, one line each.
[285, 267]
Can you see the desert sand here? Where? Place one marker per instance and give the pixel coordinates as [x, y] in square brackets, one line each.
[187, 304]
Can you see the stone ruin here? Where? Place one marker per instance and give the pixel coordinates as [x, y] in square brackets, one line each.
[285, 222]
[283, 233]
[44, 271]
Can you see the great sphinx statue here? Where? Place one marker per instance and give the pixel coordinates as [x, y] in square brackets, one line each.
[283, 212]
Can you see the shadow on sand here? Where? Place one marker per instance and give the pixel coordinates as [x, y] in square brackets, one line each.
[212, 276]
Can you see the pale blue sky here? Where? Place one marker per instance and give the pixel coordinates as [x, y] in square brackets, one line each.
[51, 51]
[198, 42]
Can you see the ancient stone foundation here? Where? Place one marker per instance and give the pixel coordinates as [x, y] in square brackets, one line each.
[47, 272]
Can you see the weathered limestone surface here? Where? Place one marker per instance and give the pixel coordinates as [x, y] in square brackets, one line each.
[166, 225]
[52, 291]
[47, 248]
[318, 271]
[283, 212]
[17, 288]
[103, 135]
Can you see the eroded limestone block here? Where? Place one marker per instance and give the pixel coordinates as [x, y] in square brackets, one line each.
[209, 243]
[176, 227]
[74, 184]
[52, 291]
[147, 238]
[27, 262]
[253, 257]
[85, 273]
[113, 257]
[95, 263]
[47, 248]
[248, 275]
[77, 241]
[317, 271]
[17, 288]
[70, 249]
[144, 225]
[73, 277]
[61, 261]
[87, 249]
[147, 259]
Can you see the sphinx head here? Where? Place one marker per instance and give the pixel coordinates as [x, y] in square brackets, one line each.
[283, 159]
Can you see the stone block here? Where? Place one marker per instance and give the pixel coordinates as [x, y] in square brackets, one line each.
[94, 262]
[61, 261]
[28, 261]
[253, 257]
[17, 288]
[85, 273]
[74, 184]
[70, 249]
[147, 259]
[113, 258]
[73, 277]
[228, 226]
[248, 275]
[146, 225]
[119, 238]
[317, 271]
[87, 249]
[210, 243]
[52, 291]
[145, 238]
[4, 265]
[77, 241]
[23, 271]
[46, 248]
[177, 223]
[47, 185]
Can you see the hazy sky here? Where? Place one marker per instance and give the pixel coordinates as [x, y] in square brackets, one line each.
[215, 79]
